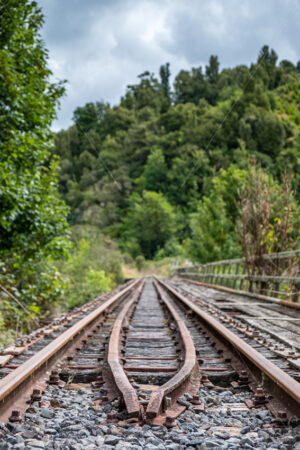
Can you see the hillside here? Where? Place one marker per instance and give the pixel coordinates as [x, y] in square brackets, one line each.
[138, 170]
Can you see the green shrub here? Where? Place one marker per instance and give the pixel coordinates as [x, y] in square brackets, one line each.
[140, 262]
[94, 266]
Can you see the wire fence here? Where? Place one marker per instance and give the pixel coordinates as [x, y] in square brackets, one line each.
[279, 277]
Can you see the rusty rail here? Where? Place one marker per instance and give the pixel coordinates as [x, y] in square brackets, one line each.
[113, 358]
[129, 394]
[44, 358]
[186, 371]
[288, 387]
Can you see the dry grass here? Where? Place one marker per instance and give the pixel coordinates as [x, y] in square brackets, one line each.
[160, 268]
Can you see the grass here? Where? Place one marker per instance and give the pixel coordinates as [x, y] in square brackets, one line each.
[161, 268]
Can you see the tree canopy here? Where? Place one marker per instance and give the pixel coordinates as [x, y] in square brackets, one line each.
[190, 144]
[33, 225]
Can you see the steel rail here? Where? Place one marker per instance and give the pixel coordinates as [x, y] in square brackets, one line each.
[113, 359]
[127, 391]
[186, 371]
[281, 379]
[265, 298]
[25, 371]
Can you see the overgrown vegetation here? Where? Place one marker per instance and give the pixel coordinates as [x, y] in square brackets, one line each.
[269, 221]
[33, 225]
[166, 172]
[162, 172]
[93, 267]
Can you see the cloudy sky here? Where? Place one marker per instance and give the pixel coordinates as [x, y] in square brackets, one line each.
[100, 46]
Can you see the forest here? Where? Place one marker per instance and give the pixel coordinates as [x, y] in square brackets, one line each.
[162, 171]
[163, 174]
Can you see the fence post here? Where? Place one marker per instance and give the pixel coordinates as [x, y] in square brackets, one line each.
[236, 273]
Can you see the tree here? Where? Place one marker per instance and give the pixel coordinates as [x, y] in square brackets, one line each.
[148, 225]
[212, 234]
[212, 70]
[267, 59]
[165, 73]
[89, 116]
[154, 177]
[33, 225]
[196, 148]
[190, 86]
[269, 220]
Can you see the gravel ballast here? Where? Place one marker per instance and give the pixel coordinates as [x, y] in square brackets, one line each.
[69, 419]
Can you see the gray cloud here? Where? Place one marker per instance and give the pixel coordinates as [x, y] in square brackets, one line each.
[100, 46]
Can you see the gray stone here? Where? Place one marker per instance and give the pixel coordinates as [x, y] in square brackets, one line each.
[289, 440]
[233, 440]
[111, 440]
[153, 440]
[264, 435]
[123, 445]
[99, 441]
[148, 433]
[245, 429]
[247, 441]
[11, 440]
[83, 433]
[209, 444]
[31, 410]
[50, 431]
[222, 435]
[225, 394]
[172, 446]
[47, 413]
[182, 401]
[263, 415]
[196, 442]
[35, 443]
[152, 447]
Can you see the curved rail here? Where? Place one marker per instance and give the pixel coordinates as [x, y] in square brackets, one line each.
[113, 358]
[155, 405]
[25, 371]
[186, 371]
[289, 386]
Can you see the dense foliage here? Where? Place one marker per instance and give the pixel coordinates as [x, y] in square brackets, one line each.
[164, 168]
[168, 171]
[94, 266]
[33, 225]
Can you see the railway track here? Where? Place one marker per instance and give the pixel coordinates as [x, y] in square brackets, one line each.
[151, 352]
[275, 325]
